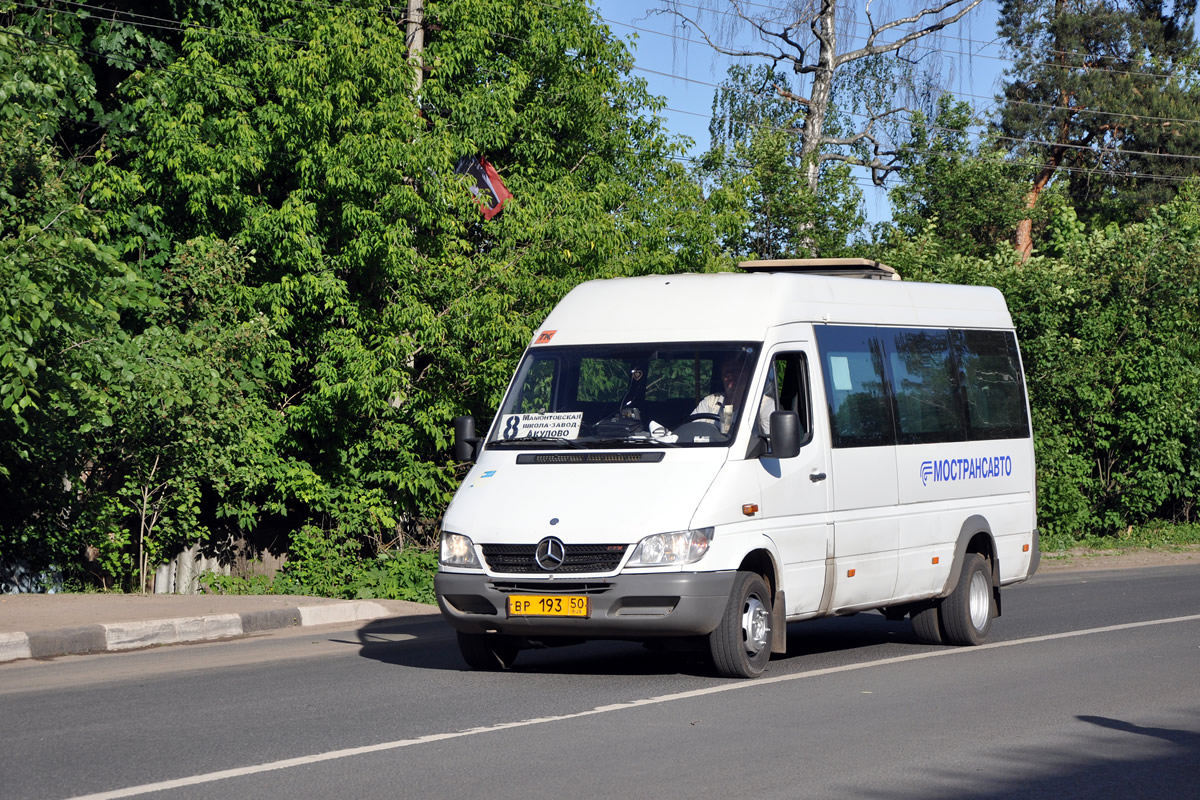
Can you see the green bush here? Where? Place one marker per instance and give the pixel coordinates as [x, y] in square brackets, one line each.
[399, 575]
[1107, 328]
[405, 574]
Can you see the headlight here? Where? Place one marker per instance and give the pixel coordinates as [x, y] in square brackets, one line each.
[676, 547]
[458, 551]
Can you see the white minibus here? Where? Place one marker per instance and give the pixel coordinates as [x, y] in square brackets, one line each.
[698, 460]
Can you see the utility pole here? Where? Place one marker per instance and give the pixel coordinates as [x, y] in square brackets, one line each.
[414, 40]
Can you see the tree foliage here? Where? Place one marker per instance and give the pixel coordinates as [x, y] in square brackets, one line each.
[972, 192]
[1107, 334]
[297, 290]
[756, 158]
[1103, 97]
[246, 292]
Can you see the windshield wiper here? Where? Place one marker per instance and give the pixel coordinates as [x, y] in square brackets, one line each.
[627, 441]
[537, 441]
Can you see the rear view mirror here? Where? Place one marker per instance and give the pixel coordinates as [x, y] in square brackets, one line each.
[465, 440]
[785, 434]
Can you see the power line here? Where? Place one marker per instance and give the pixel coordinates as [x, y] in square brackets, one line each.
[1188, 71]
[175, 72]
[179, 26]
[864, 116]
[929, 48]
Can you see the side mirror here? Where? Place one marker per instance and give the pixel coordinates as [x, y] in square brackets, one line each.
[785, 434]
[465, 441]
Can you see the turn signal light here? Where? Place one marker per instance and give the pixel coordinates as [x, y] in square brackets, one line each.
[849, 573]
[935, 559]
[1024, 548]
[750, 509]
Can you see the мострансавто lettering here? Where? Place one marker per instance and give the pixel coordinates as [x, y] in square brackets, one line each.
[966, 469]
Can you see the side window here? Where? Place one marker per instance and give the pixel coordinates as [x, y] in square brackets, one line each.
[928, 401]
[995, 389]
[860, 410]
[787, 389]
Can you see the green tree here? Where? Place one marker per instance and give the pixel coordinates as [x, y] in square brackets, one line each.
[1112, 362]
[1103, 97]
[311, 387]
[972, 193]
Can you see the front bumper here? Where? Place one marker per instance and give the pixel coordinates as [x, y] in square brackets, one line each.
[623, 607]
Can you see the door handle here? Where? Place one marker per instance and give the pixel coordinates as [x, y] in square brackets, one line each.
[817, 477]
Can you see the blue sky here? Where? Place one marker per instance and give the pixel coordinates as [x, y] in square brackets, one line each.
[679, 66]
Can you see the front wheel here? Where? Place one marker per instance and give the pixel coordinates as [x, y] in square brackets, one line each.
[967, 613]
[741, 644]
[487, 651]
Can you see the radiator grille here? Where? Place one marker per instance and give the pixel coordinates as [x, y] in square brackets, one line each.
[519, 558]
[551, 587]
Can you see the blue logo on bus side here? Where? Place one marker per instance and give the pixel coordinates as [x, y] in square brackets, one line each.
[965, 469]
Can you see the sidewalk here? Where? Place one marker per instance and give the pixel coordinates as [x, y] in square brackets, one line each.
[48, 625]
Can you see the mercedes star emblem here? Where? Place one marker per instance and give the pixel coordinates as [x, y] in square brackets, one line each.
[550, 553]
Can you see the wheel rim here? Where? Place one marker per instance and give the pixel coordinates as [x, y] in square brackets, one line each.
[980, 600]
[756, 625]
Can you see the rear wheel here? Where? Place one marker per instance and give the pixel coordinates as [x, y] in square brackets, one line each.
[488, 651]
[967, 613]
[926, 625]
[741, 644]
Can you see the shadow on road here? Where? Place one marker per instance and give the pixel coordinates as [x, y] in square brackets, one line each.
[1113, 760]
[429, 643]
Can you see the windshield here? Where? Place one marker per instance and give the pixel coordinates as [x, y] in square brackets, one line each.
[599, 396]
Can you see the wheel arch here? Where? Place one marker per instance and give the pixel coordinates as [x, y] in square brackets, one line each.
[975, 536]
[764, 561]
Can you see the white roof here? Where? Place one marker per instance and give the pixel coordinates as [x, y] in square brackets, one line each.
[743, 307]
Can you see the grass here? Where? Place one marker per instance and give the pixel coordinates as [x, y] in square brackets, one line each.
[1158, 536]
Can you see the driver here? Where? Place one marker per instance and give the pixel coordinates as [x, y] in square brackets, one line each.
[724, 404]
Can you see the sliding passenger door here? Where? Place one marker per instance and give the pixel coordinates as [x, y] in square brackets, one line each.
[863, 465]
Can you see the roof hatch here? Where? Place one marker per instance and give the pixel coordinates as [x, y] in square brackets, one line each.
[837, 267]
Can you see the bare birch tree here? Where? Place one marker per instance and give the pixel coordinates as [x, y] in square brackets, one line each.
[806, 35]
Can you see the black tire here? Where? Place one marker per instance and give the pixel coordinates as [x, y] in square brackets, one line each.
[741, 644]
[488, 651]
[927, 624]
[967, 613]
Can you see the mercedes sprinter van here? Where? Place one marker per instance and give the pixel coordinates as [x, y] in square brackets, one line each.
[702, 459]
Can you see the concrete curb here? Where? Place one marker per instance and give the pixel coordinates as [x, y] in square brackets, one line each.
[117, 636]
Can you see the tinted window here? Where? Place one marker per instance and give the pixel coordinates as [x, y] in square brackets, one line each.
[928, 401]
[533, 393]
[921, 385]
[860, 409]
[995, 391]
[686, 375]
[603, 380]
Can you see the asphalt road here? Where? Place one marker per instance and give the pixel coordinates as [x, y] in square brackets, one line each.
[1090, 687]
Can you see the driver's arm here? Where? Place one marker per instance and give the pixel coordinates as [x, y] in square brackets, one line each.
[709, 405]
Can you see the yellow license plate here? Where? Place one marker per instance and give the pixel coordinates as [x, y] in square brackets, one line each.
[539, 605]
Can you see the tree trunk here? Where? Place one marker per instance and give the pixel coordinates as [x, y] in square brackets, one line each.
[822, 88]
[414, 38]
[1024, 235]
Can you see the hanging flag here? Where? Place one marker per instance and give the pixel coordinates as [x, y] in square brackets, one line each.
[489, 191]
